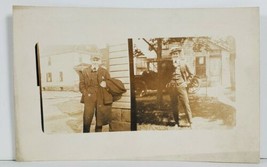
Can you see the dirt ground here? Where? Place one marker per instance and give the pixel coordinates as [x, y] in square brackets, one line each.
[210, 111]
[63, 112]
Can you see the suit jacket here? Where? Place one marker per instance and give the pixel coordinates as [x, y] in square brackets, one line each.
[104, 98]
[186, 73]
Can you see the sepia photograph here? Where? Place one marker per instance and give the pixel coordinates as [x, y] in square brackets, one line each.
[142, 77]
[85, 88]
[184, 83]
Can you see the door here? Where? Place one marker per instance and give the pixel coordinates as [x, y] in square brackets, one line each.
[201, 66]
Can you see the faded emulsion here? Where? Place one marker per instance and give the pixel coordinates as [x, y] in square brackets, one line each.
[85, 88]
[184, 83]
[164, 84]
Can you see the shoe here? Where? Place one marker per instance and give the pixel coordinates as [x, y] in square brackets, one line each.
[171, 124]
[186, 125]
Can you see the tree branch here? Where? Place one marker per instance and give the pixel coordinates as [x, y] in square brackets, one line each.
[151, 45]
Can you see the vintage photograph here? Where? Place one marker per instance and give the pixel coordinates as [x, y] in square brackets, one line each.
[85, 88]
[141, 77]
[184, 82]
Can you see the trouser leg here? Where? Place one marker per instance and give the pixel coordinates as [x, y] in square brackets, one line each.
[98, 128]
[174, 106]
[89, 109]
[87, 118]
[183, 97]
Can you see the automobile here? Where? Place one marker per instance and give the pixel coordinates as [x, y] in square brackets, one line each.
[149, 81]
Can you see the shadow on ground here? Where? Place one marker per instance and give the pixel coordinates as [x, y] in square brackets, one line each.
[207, 108]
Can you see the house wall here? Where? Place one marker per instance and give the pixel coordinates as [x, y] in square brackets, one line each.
[217, 67]
[58, 65]
[62, 63]
[226, 77]
[119, 69]
[189, 55]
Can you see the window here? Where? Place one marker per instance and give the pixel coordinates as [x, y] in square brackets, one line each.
[141, 62]
[201, 60]
[49, 77]
[61, 76]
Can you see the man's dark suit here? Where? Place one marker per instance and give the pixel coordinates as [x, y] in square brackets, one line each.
[96, 98]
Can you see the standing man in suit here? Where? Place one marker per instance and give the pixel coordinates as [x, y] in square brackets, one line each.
[97, 100]
[178, 85]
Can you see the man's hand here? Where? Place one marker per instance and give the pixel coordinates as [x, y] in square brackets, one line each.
[103, 84]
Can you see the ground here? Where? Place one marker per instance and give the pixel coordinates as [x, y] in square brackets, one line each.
[63, 112]
[211, 108]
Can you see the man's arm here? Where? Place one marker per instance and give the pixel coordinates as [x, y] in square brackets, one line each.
[82, 85]
[188, 70]
[107, 75]
[190, 74]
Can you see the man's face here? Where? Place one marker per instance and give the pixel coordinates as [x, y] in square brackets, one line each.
[95, 63]
[176, 59]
